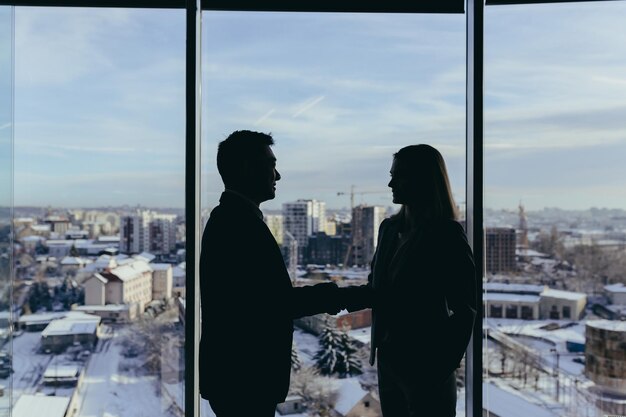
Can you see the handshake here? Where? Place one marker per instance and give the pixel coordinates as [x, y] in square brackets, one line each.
[332, 299]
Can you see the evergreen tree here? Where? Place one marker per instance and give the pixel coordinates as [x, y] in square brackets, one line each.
[328, 356]
[350, 363]
[295, 358]
[337, 354]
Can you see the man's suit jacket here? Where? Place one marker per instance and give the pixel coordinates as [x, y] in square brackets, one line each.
[423, 298]
[248, 306]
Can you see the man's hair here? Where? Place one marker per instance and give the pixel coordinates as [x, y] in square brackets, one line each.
[239, 148]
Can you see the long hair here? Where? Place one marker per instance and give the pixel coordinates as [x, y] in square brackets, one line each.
[427, 170]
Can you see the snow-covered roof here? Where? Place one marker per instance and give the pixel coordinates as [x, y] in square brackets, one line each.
[61, 371]
[41, 227]
[160, 267]
[74, 260]
[619, 287]
[566, 295]
[349, 394]
[99, 277]
[507, 404]
[33, 238]
[178, 272]
[521, 298]
[513, 288]
[106, 307]
[40, 317]
[108, 239]
[148, 257]
[32, 405]
[76, 322]
[531, 253]
[24, 219]
[615, 326]
[129, 271]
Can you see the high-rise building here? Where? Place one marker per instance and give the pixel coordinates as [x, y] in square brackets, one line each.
[148, 231]
[500, 249]
[301, 219]
[365, 223]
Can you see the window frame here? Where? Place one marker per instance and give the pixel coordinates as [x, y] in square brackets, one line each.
[474, 144]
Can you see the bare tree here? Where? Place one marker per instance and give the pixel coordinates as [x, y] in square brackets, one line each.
[318, 392]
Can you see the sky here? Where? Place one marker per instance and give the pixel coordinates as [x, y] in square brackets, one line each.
[99, 102]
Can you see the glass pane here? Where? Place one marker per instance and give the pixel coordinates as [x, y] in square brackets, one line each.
[99, 196]
[6, 203]
[340, 93]
[555, 198]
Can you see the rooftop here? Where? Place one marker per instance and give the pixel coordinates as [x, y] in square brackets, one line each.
[32, 405]
[491, 296]
[615, 326]
[568, 295]
[619, 287]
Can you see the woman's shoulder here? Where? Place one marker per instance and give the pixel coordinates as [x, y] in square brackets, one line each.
[448, 228]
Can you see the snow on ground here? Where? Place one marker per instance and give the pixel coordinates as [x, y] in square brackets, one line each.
[504, 401]
[28, 364]
[307, 345]
[542, 341]
[107, 392]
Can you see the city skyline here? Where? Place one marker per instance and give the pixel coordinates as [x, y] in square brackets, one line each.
[103, 120]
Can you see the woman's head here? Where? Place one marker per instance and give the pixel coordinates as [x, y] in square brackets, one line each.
[419, 180]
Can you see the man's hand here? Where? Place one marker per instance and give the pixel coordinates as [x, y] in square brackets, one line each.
[329, 297]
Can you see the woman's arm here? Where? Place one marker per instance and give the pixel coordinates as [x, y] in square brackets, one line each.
[459, 285]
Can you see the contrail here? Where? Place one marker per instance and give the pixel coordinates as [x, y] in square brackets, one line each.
[308, 106]
[265, 116]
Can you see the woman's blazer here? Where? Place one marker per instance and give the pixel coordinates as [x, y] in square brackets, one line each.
[423, 297]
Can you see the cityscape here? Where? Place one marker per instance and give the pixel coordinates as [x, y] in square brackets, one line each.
[92, 192]
[94, 317]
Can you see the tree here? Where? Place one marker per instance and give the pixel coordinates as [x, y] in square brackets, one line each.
[318, 393]
[337, 354]
[351, 361]
[595, 265]
[327, 357]
[295, 358]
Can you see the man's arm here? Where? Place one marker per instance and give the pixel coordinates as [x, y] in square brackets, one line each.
[314, 299]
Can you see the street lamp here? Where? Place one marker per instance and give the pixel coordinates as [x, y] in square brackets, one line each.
[556, 372]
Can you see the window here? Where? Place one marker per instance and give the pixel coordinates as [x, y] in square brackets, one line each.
[567, 312]
[340, 93]
[495, 311]
[554, 150]
[99, 116]
[511, 311]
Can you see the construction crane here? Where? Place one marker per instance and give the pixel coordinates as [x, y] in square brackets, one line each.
[352, 193]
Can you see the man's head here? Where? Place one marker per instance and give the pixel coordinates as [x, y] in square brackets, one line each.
[247, 164]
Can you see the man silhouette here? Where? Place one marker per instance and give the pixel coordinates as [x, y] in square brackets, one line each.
[248, 302]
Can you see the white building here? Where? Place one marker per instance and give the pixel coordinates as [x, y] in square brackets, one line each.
[162, 281]
[531, 302]
[616, 293]
[130, 283]
[301, 219]
[74, 328]
[28, 405]
[148, 231]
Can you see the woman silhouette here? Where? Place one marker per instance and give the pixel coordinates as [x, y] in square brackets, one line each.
[421, 290]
